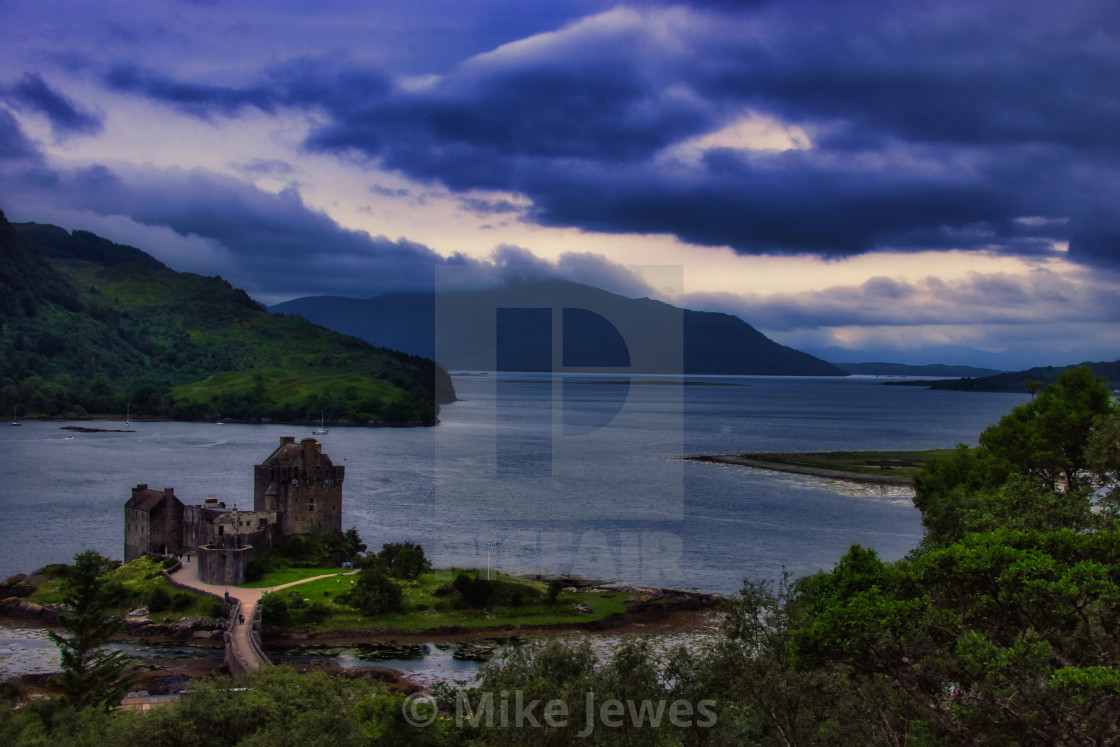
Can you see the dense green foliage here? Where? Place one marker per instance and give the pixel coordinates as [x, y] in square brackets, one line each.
[280, 707]
[99, 328]
[91, 675]
[314, 550]
[403, 560]
[1003, 627]
[1024, 381]
[374, 593]
[1032, 470]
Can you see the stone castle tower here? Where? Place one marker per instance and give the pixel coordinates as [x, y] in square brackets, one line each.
[301, 483]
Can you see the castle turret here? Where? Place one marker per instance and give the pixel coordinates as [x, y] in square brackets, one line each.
[302, 483]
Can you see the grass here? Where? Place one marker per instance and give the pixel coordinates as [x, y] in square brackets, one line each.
[897, 464]
[287, 576]
[136, 580]
[427, 610]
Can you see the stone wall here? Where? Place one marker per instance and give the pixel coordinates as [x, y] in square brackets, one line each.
[225, 565]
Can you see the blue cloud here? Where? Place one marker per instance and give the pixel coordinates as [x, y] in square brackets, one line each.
[928, 126]
[66, 117]
[14, 145]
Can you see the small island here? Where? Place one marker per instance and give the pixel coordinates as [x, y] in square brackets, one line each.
[876, 467]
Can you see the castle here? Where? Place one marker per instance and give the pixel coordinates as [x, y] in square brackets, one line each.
[296, 490]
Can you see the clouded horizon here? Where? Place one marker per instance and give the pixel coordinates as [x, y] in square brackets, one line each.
[859, 180]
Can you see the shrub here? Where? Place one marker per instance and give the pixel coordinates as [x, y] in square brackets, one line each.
[475, 592]
[216, 608]
[159, 599]
[374, 593]
[404, 560]
[274, 610]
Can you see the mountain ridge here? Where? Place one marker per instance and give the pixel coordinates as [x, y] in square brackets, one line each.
[710, 342]
[91, 326]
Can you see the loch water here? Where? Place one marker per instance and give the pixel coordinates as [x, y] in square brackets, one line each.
[534, 473]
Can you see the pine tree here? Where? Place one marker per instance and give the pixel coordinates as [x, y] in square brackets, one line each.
[91, 675]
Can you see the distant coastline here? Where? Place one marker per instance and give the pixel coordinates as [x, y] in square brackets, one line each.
[873, 467]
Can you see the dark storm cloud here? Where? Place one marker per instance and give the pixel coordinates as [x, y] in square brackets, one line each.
[929, 128]
[270, 241]
[14, 144]
[932, 126]
[298, 83]
[482, 206]
[195, 98]
[66, 117]
[1043, 296]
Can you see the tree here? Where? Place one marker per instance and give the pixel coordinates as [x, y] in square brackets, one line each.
[1033, 470]
[354, 541]
[1046, 437]
[403, 560]
[475, 592]
[91, 676]
[374, 593]
[1103, 456]
[1009, 637]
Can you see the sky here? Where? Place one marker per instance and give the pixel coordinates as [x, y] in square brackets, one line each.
[864, 180]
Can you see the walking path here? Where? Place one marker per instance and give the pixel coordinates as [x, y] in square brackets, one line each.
[187, 575]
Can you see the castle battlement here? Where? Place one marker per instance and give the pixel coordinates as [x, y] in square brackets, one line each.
[296, 490]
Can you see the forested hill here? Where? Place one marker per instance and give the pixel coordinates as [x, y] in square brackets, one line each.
[1019, 382]
[709, 342]
[93, 327]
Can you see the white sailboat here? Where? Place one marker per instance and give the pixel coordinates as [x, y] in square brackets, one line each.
[127, 413]
[322, 429]
[219, 420]
[15, 420]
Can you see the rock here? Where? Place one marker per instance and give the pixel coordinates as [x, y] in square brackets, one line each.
[16, 586]
[16, 607]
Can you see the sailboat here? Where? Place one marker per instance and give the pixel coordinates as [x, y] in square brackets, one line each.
[127, 413]
[322, 429]
[15, 420]
[219, 420]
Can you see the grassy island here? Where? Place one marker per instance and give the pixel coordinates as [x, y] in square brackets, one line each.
[880, 467]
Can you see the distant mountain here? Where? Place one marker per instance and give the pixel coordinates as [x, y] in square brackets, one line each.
[94, 327]
[903, 369]
[510, 328]
[1016, 381]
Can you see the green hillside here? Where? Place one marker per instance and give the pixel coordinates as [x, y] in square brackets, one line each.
[1020, 382]
[93, 327]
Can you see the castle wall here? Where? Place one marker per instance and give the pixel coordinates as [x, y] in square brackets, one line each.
[136, 533]
[297, 490]
[198, 528]
[225, 561]
[301, 483]
[153, 523]
[225, 565]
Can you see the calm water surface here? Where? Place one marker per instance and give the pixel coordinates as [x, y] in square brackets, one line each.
[530, 473]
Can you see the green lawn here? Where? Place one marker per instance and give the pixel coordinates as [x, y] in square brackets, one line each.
[287, 576]
[136, 582]
[426, 610]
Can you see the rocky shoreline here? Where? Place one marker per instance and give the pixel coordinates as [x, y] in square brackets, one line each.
[831, 474]
[649, 611]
